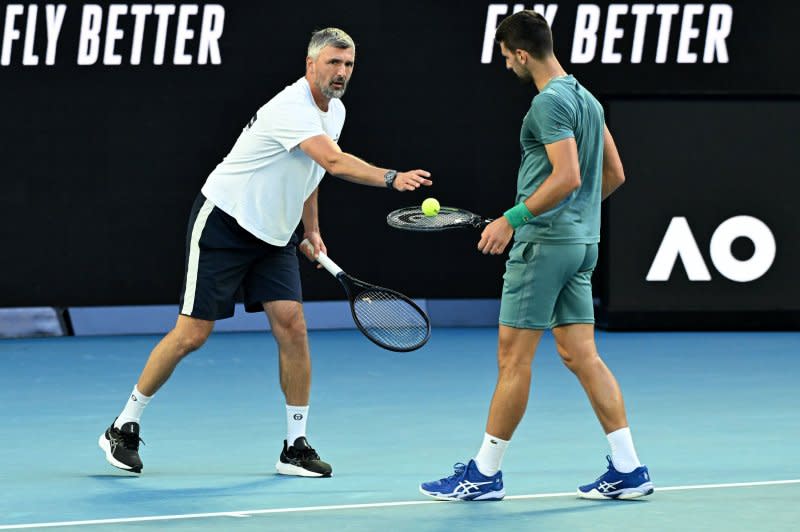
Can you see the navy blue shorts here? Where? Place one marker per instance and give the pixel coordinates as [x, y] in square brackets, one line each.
[225, 263]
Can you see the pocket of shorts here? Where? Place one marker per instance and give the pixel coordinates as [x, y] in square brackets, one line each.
[518, 260]
[521, 252]
[529, 251]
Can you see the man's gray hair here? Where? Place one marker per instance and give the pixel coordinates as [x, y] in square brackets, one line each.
[328, 37]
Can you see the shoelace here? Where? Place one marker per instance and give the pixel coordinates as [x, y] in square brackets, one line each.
[306, 454]
[129, 440]
[458, 468]
[610, 465]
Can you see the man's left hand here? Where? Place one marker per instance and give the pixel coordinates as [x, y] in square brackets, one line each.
[496, 237]
[315, 239]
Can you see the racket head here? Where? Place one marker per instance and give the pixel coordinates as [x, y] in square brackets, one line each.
[413, 219]
[388, 318]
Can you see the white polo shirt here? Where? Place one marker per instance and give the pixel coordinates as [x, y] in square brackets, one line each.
[265, 179]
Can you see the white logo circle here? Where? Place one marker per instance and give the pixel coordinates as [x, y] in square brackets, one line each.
[742, 270]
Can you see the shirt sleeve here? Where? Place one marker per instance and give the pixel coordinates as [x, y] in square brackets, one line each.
[554, 120]
[292, 124]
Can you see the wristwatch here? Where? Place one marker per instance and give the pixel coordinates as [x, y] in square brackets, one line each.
[388, 178]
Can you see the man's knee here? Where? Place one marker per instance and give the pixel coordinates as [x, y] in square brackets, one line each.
[567, 359]
[577, 357]
[513, 355]
[190, 336]
[189, 342]
[289, 327]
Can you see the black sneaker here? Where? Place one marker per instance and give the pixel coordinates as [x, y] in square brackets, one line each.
[122, 446]
[301, 460]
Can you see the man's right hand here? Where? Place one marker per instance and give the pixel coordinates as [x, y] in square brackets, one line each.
[411, 180]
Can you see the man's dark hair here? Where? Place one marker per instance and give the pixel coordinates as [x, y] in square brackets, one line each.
[526, 30]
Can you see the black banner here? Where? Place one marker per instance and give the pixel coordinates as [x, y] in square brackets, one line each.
[114, 114]
[705, 221]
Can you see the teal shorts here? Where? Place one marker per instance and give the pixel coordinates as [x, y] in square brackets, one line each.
[548, 285]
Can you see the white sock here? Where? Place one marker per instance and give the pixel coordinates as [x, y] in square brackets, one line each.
[296, 417]
[133, 408]
[490, 455]
[623, 454]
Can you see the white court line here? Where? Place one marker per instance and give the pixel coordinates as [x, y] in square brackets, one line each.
[247, 513]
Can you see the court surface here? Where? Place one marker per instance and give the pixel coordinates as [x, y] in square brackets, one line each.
[716, 417]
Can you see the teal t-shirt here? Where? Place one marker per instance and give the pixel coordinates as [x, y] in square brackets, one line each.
[563, 109]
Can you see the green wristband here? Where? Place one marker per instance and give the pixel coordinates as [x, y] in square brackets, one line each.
[518, 215]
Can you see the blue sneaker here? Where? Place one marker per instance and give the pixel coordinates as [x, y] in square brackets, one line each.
[466, 484]
[615, 485]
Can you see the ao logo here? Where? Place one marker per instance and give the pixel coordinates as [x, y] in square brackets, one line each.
[679, 241]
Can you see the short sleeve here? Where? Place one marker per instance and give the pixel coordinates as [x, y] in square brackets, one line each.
[291, 124]
[554, 120]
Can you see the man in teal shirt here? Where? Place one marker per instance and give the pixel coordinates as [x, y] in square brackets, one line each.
[569, 165]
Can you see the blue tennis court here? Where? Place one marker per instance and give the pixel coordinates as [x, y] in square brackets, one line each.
[716, 417]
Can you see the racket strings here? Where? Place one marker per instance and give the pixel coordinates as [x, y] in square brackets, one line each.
[390, 319]
[414, 217]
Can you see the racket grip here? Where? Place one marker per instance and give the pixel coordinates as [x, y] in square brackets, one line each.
[308, 250]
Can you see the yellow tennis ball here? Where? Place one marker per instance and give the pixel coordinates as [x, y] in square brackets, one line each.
[430, 207]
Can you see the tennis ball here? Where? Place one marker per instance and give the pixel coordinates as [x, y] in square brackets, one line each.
[430, 207]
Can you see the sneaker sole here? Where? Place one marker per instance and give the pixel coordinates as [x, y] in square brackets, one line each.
[490, 496]
[293, 470]
[106, 448]
[624, 494]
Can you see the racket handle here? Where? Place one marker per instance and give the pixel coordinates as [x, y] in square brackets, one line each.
[322, 258]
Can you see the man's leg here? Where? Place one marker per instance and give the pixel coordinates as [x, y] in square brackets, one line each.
[120, 441]
[626, 477]
[515, 351]
[575, 344]
[188, 335]
[289, 329]
[481, 479]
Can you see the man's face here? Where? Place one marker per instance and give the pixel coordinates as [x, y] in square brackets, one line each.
[513, 63]
[332, 70]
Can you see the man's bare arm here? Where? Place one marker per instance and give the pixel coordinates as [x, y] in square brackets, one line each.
[327, 154]
[565, 177]
[613, 174]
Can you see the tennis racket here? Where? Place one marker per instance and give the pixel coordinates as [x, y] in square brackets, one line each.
[413, 219]
[388, 318]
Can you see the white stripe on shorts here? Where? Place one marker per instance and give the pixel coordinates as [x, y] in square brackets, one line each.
[194, 257]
